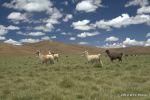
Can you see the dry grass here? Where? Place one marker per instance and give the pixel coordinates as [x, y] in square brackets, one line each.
[24, 78]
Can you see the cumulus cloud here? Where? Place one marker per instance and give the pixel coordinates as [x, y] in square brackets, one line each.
[144, 10]
[82, 25]
[35, 6]
[148, 35]
[122, 21]
[44, 28]
[36, 33]
[137, 3]
[65, 33]
[113, 45]
[67, 17]
[17, 16]
[132, 42]
[83, 43]
[87, 34]
[128, 42]
[29, 5]
[147, 42]
[53, 37]
[72, 38]
[29, 40]
[65, 3]
[31, 33]
[45, 38]
[51, 21]
[3, 30]
[88, 5]
[2, 38]
[11, 27]
[11, 41]
[111, 39]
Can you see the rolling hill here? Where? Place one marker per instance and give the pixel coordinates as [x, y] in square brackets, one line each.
[44, 46]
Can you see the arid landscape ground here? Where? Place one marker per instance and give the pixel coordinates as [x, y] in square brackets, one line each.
[23, 77]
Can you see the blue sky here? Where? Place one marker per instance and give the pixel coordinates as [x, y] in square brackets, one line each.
[101, 23]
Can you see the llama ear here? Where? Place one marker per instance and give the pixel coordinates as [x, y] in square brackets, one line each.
[38, 50]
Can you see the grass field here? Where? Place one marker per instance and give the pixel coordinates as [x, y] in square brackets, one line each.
[24, 78]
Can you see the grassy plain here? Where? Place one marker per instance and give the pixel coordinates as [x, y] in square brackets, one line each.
[24, 78]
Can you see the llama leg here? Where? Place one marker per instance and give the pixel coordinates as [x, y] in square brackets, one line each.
[120, 59]
[112, 60]
[101, 63]
[52, 62]
[42, 62]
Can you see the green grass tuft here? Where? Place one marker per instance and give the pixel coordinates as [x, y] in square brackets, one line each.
[25, 78]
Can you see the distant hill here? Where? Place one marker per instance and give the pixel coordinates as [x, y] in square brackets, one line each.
[134, 50]
[9, 49]
[44, 46]
[61, 47]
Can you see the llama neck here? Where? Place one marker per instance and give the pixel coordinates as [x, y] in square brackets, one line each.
[86, 54]
[40, 55]
[108, 53]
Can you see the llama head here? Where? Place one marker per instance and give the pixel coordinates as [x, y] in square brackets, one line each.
[37, 52]
[49, 52]
[107, 51]
[84, 53]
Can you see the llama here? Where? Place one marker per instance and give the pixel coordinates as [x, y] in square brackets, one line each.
[114, 55]
[55, 55]
[93, 58]
[45, 58]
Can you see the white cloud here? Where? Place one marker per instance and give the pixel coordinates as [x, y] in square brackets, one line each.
[72, 38]
[127, 43]
[11, 41]
[67, 17]
[53, 37]
[132, 42]
[35, 6]
[87, 34]
[53, 19]
[2, 38]
[147, 42]
[36, 33]
[148, 35]
[144, 10]
[11, 27]
[65, 3]
[123, 21]
[17, 16]
[88, 5]
[31, 33]
[65, 33]
[44, 28]
[29, 5]
[55, 15]
[137, 3]
[114, 45]
[45, 38]
[83, 43]
[29, 40]
[111, 39]
[82, 25]
[3, 30]
[58, 30]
